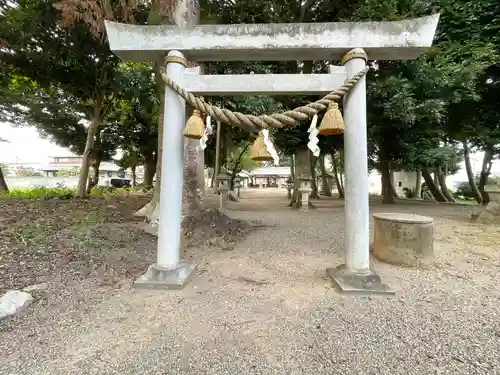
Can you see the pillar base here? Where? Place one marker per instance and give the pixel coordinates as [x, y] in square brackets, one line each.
[353, 283]
[160, 278]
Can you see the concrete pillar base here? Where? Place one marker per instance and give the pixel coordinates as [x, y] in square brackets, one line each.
[353, 283]
[159, 278]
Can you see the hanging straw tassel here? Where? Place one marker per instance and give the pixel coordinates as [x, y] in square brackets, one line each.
[195, 127]
[332, 123]
[259, 152]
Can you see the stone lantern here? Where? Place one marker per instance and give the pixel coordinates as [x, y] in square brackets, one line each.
[222, 187]
[305, 189]
[289, 185]
[237, 185]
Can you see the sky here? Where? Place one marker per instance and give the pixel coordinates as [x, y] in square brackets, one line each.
[26, 146]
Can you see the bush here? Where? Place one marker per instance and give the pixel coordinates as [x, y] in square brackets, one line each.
[38, 192]
[426, 193]
[62, 192]
[464, 191]
[105, 191]
[409, 193]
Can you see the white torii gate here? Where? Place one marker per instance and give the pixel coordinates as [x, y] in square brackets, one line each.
[352, 43]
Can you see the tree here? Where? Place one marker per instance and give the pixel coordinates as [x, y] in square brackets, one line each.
[239, 159]
[131, 160]
[133, 118]
[51, 44]
[182, 13]
[3, 168]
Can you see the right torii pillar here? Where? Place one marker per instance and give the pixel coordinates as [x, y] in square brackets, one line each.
[355, 275]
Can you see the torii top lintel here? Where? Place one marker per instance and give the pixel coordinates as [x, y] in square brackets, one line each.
[389, 40]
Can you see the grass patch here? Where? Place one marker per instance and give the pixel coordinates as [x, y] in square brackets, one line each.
[38, 192]
[471, 202]
[63, 192]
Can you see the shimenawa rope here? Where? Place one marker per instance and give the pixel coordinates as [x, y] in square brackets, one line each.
[253, 123]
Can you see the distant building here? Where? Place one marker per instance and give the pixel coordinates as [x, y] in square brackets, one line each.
[269, 176]
[73, 163]
[17, 168]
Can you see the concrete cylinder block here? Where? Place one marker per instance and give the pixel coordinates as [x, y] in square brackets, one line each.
[403, 239]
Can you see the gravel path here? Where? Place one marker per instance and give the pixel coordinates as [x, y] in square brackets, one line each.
[266, 307]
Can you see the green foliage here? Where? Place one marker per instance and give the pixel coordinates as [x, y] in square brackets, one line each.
[26, 172]
[55, 77]
[239, 159]
[464, 191]
[62, 192]
[132, 121]
[410, 192]
[68, 172]
[38, 192]
[4, 168]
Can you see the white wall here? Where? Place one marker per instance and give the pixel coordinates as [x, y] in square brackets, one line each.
[401, 180]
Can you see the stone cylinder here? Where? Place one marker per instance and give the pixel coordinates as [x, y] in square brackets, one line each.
[403, 239]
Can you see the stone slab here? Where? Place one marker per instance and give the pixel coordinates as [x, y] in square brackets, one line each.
[276, 84]
[388, 40]
[173, 279]
[352, 283]
[398, 217]
[13, 302]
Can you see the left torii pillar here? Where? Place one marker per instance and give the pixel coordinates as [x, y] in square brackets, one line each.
[169, 272]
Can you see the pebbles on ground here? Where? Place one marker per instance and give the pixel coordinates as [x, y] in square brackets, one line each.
[266, 307]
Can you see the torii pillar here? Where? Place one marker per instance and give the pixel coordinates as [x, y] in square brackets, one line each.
[353, 43]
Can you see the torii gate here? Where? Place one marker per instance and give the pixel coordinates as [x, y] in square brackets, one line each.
[352, 43]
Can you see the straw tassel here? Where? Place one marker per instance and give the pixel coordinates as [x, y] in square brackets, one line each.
[332, 123]
[195, 127]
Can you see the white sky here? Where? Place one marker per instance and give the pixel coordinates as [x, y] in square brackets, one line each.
[26, 146]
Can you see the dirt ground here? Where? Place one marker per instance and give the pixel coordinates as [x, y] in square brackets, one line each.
[260, 302]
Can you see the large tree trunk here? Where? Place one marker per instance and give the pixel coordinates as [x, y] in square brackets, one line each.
[302, 166]
[94, 178]
[470, 174]
[151, 210]
[95, 163]
[212, 181]
[436, 178]
[485, 172]
[338, 182]
[95, 122]
[201, 171]
[3, 183]
[326, 189]
[134, 175]
[182, 13]
[393, 187]
[149, 168]
[442, 183]
[418, 184]
[387, 188]
[314, 179]
[436, 192]
[191, 203]
[236, 168]
[341, 177]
